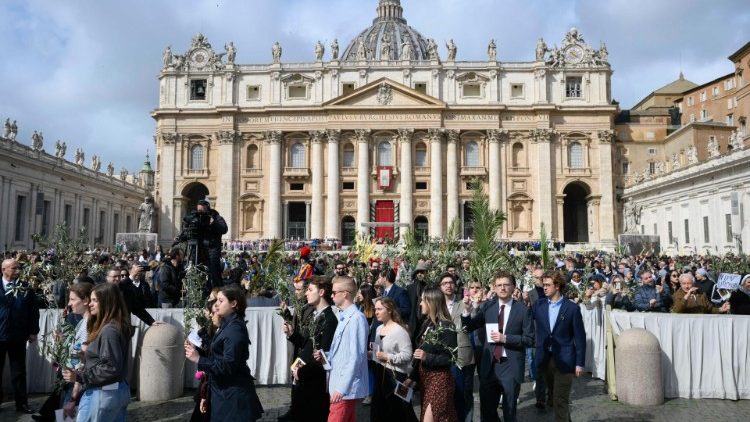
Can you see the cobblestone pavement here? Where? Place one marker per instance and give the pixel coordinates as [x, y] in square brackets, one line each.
[589, 403]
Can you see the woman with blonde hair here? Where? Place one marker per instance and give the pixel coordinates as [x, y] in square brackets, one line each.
[103, 376]
[433, 358]
[394, 352]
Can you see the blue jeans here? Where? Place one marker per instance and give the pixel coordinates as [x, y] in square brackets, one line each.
[98, 405]
[531, 363]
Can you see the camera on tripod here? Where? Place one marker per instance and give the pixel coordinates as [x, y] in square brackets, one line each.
[196, 225]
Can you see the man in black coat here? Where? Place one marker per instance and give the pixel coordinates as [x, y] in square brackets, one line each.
[19, 323]
[504, 354]
[130, 296]
[208, 238]
[170, 280]
[414, 290]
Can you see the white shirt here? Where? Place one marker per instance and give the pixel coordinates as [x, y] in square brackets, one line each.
[5, 283]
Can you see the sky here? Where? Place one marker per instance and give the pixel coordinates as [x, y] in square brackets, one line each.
[85, 71]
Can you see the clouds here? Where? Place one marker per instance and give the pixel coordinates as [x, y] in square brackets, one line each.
[85, 71]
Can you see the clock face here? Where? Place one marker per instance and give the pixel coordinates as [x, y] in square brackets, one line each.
[199, 57]
[574, 54]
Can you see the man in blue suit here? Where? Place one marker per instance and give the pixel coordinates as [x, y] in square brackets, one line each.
[387, 280]
[503, 359]
[19, 323]
[560, 342]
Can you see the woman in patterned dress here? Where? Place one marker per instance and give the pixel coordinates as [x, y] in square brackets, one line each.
[433, 359]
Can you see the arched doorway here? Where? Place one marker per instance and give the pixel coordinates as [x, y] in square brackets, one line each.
[348, 230]
[193, 193]
[575, 213]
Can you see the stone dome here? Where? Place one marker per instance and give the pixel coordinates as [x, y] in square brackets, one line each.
[386, 36]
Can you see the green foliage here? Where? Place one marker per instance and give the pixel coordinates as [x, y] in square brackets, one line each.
[56, 347]
[546, 259]
[485, 257]
[194, 284]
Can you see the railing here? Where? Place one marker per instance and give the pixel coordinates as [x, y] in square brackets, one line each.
[421, 170]
[296, 172]
[196, 172]
[473, 171]
[253, 172]
[348, 171]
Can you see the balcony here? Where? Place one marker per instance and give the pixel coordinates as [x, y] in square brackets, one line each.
[196, 172]
[467, 171]
[421, 170]
[348, 171]
[296, 172]
[253, 172]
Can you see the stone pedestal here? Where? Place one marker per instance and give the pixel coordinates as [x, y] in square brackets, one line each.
[162, 362]
[634, 243]
[638, 368]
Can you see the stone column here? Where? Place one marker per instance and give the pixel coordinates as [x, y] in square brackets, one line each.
[494, 137]
[168, 219]
[273, 216]
[226, 178]
[407, 184]
[543, 140]
[451, 176]
[607, 205]
[363, 179]
[332, 206]
[316, 162]
[594, 229]
[559, 234]
[307, 219]
[436, 182]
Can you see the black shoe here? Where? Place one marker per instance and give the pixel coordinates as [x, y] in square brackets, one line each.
[24, 408]
[539, 405]
[42, 418]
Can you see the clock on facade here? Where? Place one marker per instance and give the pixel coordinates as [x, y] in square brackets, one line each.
[573, 54]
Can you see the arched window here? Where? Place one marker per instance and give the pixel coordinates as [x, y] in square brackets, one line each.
[252, 157]
[196, 157]
[297, 158]
[575, 155]
[420, 155]
[348, 156]
[385, 154]
[519, 158]
[471, 154]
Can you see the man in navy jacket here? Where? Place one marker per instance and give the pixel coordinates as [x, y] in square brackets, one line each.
[560, 342]
[392, 290]
[19, 323]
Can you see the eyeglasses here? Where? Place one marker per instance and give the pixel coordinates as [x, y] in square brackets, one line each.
[447, 283]
[504, 286]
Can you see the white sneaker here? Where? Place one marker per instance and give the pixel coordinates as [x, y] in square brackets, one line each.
[533, 387]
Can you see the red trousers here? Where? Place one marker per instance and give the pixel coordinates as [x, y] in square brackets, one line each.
[343, 411]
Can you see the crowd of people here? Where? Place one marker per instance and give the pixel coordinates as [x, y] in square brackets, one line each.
[358, 330]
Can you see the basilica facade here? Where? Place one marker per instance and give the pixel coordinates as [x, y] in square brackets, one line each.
[393, 129]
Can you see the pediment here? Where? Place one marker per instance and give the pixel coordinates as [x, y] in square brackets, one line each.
[472, 77]
[385, 93]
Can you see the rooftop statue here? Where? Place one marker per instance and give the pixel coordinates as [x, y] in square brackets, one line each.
[452, 50]
[492, 51]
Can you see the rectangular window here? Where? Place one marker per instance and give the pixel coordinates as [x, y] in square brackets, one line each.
[468, 186]
[643, 229]
[690, 101]
[728, 223]
[347, 88]
[128, 224]
[625, 168]
[68, 215]
[652, 151]
[297, 186]
[421, 87]
[47, 207]
[703, 96]
[516, 91]
[652, 168]
[704, 114]
[102, 225]
[253, 93]
[421, 186]
[730, 119]
[705, 230]
[669, 232]
[198, 89]
[573, 87]
[472, 90]
[348, 158]
[692, 117]
[20, 218]
[687, 231]
[348, 186]
[115, 224]
[297, 91]
[86, 217]
[730, 103]
[716, 91]
[656, 229]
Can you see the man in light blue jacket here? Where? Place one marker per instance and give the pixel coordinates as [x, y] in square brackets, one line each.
[347, 380]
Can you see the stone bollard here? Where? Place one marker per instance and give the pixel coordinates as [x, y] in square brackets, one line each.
[638, 368]
[162, 363]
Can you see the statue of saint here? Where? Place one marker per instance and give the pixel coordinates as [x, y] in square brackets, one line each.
[320, 50]
[385, 49]
[713, 147]
[603, 54]
[335, 49]
[123, 174]
[276, 51]
[7, 132]
[692, 155]
[80, 157]
[541, 49]
[37, 141]
[110, 169]
[452, 50]
[167, 57]
[406, 49]
[145, 215]
[361, 48]
[492, 51]
[432, 50]
[231, 52]
[96, 164]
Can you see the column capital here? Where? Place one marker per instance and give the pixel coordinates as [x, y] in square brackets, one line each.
[362, 135]
[405, 135]
[169, 138]
[542, 135]
[497, 135]
[436, 135]
[606, 136]
[334, 135]
[273, 136]
[452, 135]
[316, 136]
[226, 137]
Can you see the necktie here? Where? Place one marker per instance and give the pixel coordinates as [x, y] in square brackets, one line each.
[498, 352]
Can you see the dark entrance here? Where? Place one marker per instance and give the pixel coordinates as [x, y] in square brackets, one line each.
[193, 193]
[296, 220]
[421, 229]
[575, 213]
[468, 224]
[348, 230]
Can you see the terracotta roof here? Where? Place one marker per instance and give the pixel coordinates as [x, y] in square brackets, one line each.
[678, 86]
